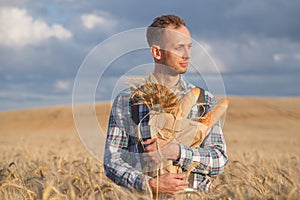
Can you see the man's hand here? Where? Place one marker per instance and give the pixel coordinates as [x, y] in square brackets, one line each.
[169, 183]
[159, 150]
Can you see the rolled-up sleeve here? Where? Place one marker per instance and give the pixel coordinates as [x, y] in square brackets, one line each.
[210, 156]
[118, 159]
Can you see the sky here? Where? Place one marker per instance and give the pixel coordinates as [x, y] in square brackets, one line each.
[46, 47]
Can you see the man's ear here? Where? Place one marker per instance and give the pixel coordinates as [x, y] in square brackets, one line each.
[156, 52]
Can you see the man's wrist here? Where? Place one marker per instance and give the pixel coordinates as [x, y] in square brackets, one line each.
[152, 183]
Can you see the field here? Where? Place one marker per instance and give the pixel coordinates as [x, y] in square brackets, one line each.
[42, 156]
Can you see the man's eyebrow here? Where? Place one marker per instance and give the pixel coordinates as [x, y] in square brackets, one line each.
[182, 44]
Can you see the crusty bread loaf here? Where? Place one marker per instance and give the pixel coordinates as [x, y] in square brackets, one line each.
[215, 113]
[188, 101]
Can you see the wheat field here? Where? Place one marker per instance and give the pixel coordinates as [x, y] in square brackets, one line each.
[42, 156]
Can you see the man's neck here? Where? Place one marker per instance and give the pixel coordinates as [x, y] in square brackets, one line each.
[166, 78]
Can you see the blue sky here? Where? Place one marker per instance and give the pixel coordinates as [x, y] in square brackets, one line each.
[255, 44]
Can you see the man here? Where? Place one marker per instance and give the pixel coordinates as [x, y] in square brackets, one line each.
[170, 43]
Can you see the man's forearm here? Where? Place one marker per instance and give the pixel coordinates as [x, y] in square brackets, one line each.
[211, 160]
[211, 156]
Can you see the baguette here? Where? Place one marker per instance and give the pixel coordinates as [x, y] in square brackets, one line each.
[215, 113]
[210, 119]
[188, 101]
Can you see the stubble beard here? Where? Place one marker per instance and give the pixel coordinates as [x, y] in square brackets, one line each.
[174, 71]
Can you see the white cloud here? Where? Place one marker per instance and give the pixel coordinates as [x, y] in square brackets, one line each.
[103, 20]
[205, 58]
[286, 57]
[255, 55]
[62, 85]
[297, 56]
[277, 57]
[18, 28]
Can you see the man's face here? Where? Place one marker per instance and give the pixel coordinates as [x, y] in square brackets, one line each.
[176, 49]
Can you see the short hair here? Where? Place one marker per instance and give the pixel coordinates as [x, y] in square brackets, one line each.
[156, 31]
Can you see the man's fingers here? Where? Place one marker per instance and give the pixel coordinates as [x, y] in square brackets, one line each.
[150, 144]
[161, 143]
[170, 183]
[178, 176]
[149, 141]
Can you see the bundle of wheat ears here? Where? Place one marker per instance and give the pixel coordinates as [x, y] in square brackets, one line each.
[168, 118]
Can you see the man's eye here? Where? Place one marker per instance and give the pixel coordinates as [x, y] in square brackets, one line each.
[179, 48]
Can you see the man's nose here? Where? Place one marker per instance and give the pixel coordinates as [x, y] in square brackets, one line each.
[186, 53]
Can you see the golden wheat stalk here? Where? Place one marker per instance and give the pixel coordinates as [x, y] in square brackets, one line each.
[154, 94]
[159, 99]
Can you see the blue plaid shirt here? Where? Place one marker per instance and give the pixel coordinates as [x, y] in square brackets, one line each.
[122, 153]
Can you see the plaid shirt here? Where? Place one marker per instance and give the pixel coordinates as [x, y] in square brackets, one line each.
[122, 153]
